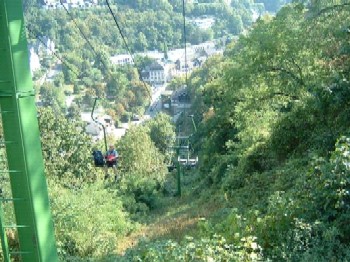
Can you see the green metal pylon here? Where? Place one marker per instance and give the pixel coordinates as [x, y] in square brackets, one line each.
[22, 140]
[4, 243]
[178, 169]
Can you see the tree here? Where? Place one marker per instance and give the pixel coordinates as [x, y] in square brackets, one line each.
[66, 148]
[88, 98]
[143, 167]
[74, 112]
[59, 80]
[52, 96]
[117, 85]
[176, 83]
[162, 132]
[141, 42]
[103, 62]
[272, 110]
[235, 24]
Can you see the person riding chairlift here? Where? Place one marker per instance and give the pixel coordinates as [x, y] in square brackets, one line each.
[111, 160]
[99, 160]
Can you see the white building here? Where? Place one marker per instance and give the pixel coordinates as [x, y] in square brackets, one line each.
[95, 129]
[44, 46]
[176, 54]
[69, 3]
[156, 55]
[34, 60]
[182, 67]
[50, 47]
[154, 74]
[207, 47]
[204, 23]
[122, 60]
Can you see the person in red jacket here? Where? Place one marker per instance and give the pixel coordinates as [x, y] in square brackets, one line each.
[111, 160]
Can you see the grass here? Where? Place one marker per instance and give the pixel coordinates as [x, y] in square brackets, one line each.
[175, 218]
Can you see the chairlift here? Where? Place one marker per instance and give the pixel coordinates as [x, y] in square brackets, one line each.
[188, 162]
[184, 157]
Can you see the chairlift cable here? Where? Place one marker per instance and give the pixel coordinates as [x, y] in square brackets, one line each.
[127, 47]
[54, 53]
[58, 57]
[188, 163]
[185, 49]
[185, 37]
[84, 36]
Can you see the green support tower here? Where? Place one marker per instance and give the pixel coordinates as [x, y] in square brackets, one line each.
[22, 141]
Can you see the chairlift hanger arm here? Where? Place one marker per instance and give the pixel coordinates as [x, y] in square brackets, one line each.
[97, 122]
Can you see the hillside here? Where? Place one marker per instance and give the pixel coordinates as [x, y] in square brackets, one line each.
[273, 141]
[271, 133]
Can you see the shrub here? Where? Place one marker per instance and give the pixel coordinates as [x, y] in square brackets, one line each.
[142, 166]
[215, 248]
[87, 221]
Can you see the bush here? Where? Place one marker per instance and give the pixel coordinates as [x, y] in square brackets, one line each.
[215, 248]
[88, 221]
[143, 168]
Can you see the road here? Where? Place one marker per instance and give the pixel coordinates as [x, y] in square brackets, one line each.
[156, 104]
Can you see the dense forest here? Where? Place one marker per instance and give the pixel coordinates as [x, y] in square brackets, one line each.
[273, 144]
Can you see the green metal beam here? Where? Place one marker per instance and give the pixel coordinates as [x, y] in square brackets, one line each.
[4, 243]
[22, 139]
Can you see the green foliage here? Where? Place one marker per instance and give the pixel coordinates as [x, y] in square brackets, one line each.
[143, 168]
[270, 113]
[52, 96]
[308, 221]
[88, 221]
[162, 132]
[279, 102]
[215, 248]
[66, 148]
[176, 83]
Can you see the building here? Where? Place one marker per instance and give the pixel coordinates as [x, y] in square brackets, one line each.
[203, 23]
[156, 55]
[183, 66]
[34, 60]
[178, 54]
[53, 4]
[43, 47]
[93, 129]
[154, 74]
[122, 60]
[207, 47]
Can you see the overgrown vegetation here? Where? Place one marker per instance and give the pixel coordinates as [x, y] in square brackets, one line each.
[274, 146]
[275, 129]
[91, 214]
